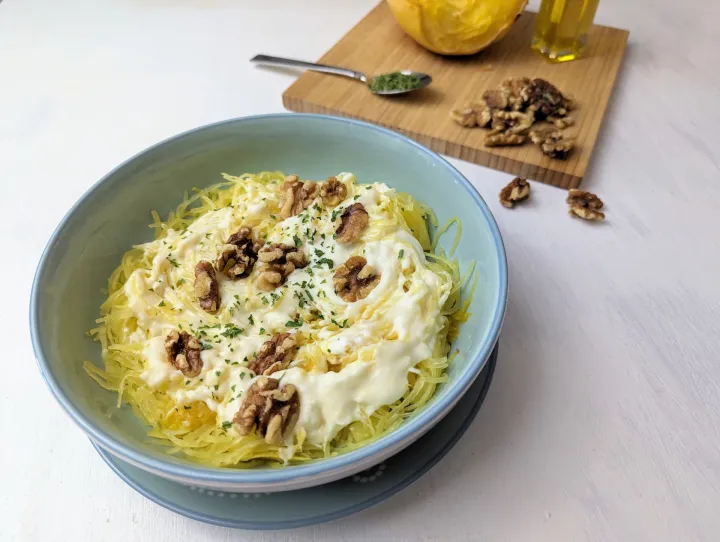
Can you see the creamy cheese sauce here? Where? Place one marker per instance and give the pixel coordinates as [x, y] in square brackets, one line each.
[371, 344]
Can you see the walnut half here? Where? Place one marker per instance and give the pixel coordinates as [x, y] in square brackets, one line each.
[518, 190]
[355, 279]
[183, 353]
[277, 261]
[332, 192]
[274, 355]
[206, 287]
[238, 255]
[584, 205]
[352, 223]
[296, 195]
[272, 411]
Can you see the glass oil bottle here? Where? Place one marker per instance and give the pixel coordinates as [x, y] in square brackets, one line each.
[562, 26]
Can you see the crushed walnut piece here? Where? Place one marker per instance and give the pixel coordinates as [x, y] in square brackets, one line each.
[332, 192]
[274, 355]
[552, 143]
[511, 122]
[465, 116]
[511, 110]
[473, 114]
[584, 205]
[183, 352]
[277, 261]
[206, 287]
[296, 195]
[543, 98]
[504, 139]
[512, 90]
[518, 190]
[495, 100]
[238, 255]
[353, 221]
[271, 411]
[484, 117]
[355, 279]
[561, 122]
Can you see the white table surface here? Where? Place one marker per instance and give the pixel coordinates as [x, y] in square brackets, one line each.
[603, 422]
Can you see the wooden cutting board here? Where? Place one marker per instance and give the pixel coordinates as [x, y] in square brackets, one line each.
[377, 44]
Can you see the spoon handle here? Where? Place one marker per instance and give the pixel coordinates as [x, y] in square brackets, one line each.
[290, 63]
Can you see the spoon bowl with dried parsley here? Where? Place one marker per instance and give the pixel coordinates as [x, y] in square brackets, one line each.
[386, 84]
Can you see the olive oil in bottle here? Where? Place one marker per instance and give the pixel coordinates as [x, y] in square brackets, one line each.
[562, 27]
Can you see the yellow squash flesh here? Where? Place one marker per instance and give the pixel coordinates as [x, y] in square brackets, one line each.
[456, 27]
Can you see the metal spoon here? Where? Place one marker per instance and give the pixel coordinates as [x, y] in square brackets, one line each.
[423, 78]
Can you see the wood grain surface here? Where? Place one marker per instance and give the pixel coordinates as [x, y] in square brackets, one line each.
[378, 45]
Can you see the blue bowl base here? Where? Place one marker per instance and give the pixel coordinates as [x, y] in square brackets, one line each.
[319, 504]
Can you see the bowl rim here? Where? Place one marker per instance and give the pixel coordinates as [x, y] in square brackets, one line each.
[208, 475]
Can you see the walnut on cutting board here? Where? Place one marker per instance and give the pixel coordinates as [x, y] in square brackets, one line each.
[511, 110]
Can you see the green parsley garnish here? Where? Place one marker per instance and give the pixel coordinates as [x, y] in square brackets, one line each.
[401, 253]
[295, 323]
[231, 331]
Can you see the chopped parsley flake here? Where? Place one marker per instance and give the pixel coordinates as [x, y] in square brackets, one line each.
[226, 425]
[231, 331]
[295, 323]
[206, 346]
[401, 253]
[161, 304]
[297, 240]
[173, 261]
[327, 261]
[251, 320]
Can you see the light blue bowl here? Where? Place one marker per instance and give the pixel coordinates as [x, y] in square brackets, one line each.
[114, 214]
